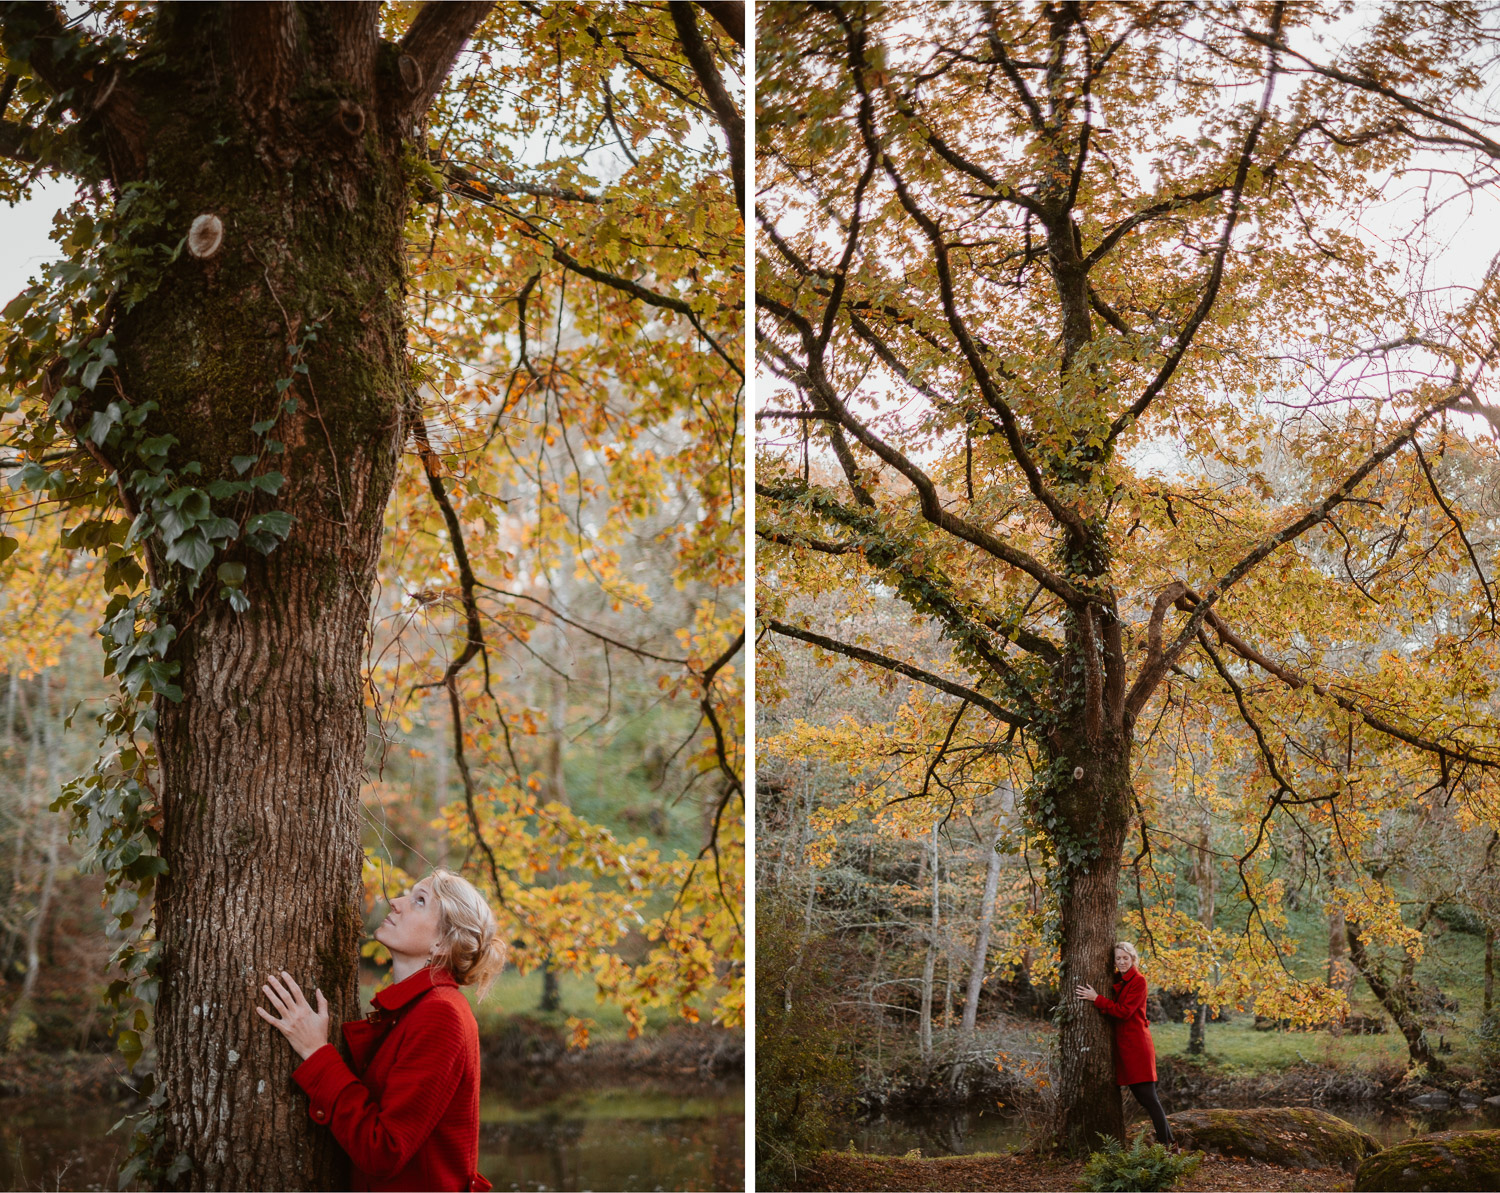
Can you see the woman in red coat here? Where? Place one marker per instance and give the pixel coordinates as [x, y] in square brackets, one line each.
[1135, 1055]
[407, 1112]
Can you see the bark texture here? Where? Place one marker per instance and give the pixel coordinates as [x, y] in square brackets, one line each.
[290, 125]
[1094, 808]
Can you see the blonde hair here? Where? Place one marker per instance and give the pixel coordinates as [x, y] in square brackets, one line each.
[1135, 958]
[469, 945]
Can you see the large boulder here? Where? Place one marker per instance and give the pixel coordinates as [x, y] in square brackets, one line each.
[1457, 1160]
[1297, 1136]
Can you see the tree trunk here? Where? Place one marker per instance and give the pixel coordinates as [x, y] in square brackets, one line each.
[1203, 874]
[979, 962]
[929, 965]
[1489, 967]
[1094, 809]
[1396, 997]
[284, 124]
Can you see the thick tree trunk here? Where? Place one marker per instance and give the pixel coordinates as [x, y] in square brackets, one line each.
[978, 963]
[1094, 808]
[284, 124]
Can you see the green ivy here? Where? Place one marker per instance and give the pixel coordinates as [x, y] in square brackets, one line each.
[58, 351]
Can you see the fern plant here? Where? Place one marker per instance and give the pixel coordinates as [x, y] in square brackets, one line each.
[1114, 1169]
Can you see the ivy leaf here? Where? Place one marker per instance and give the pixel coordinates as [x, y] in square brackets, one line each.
[232, 574]
[269, 482]
[265, 531]
[243, 464]
[91, 372]
[191, 550]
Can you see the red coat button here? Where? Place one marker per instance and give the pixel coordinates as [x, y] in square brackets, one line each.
[320, 1115]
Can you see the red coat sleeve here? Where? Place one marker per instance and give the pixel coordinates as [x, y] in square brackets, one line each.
[1132, 999]
[381, 1138]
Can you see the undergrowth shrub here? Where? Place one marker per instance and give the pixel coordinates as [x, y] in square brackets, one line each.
[804, 1041]
[1113, 1169]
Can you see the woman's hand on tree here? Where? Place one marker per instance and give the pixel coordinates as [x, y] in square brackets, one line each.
[305, 1029]
[1087, 993]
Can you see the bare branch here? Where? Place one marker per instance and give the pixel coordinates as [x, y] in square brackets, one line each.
[910, 670]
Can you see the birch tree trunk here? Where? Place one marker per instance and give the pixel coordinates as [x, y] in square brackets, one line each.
[978, 963]
[929, 965]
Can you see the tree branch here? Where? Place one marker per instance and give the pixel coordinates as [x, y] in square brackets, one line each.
[731, 123]
[910, 670]
[729, 15]
[1216, 272]
[431, 47]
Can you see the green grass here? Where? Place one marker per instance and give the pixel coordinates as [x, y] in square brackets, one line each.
[1238, 1048]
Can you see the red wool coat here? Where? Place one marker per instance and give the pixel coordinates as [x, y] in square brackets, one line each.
[408, 1113]
[1135, 1055]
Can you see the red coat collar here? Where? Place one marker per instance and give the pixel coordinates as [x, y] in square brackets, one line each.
[393, 998]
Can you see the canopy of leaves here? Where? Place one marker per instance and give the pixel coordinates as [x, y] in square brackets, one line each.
[1145, 353]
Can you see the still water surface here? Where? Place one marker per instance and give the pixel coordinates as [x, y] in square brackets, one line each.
[625, 1137]
[964, 1132]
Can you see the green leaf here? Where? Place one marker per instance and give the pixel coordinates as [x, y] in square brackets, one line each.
[21, 303]
[191, 550]
[238, 601]
[91, 372]
[232, 574]
[243, 464]
[263, 426]
[130, 1046]
[269, 482]
[8, 546]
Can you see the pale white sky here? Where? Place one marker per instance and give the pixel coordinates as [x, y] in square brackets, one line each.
[23, 235]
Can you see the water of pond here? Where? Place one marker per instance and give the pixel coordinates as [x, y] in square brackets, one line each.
[627, 1137]
[964, 1132]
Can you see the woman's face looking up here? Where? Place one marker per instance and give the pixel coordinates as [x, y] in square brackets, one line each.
[411, 927]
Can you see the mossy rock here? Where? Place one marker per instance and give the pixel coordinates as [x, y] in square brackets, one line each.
[1444, 1160]
[1296, 1136]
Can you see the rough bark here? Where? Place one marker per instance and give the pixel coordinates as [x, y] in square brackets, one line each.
[1094, 807]
[289, 123]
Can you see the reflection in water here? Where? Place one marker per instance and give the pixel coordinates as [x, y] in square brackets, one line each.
[624, 1138]
[570, 1154]
[966, 1132]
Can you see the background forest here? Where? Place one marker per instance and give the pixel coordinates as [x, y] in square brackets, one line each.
[1126, 518]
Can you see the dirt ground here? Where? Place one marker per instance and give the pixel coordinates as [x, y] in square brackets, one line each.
[841, 1170]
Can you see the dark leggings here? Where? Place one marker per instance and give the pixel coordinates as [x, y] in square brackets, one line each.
[1145, 1094]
